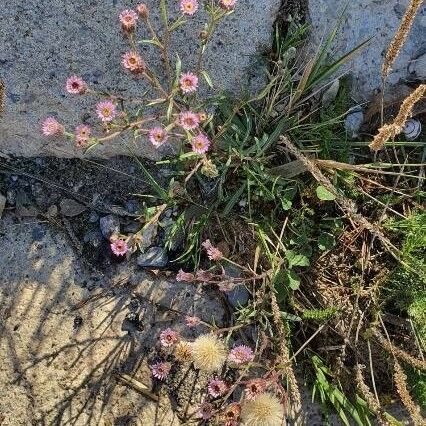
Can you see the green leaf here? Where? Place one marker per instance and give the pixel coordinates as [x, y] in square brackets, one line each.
[163, 12]
[324, 194]
[155, 42]
[295, 259]
[293, 280]
[326, 242]
[207, 78]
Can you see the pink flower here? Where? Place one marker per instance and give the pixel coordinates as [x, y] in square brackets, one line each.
[161, 370]
[189, 120]
[227, 4]
[188, 82]
[200, 144]
[192, 321]
[205, 411]
[106, 111]
[119, 247]
[169, 337]
[128, 19]
[212, 252]
[82, 134]
[217, 388]
[255, 387]
[51, 127]
[75, 85]
[188, 7]
[157, 136]
[184, 276]
[202, 275]
[241, 355]
[143, 11]
[133, 62]
[232, 414]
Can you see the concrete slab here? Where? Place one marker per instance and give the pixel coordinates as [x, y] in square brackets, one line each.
[364, 19]
[43, 42]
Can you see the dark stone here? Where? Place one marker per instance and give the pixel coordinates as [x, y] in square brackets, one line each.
[71, 208]
[78, 321]
[239, 296]
[155, 257]
[109, 225]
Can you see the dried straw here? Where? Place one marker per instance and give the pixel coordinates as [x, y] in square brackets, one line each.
[389, 131]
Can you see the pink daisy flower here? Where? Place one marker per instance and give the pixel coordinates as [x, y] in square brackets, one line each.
[255, 387]
[192, 321]
[119, 247]
[200, 144]
[188, 82]
[157, 136]
[217, 388]
[161, 370]
[205, 411]
[189, 120]
[82, 134]
[75, 85]
[227, 4]
[106, 111]
[212, 252]
[133, 62]
[169, 337]
[128, 19]
[188, 7]
[142, 9]
[241, 355]
[51, 127]
[184, 276]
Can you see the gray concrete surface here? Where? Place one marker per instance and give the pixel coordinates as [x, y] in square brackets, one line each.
[364, 19]
[42, 42]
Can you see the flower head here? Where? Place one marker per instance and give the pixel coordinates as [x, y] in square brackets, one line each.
[106, 111]
[143, 11]
[189, 120]
[157, 136]
[161, 370]
[188, 82]
[51, 127]
[200, 144]
[133, 62]
[192, 321]
[208, 353]
[119, 247]
[184, 276]
[264, 410]
[128, 19]
[217, 388]
[241, 355]
[209, 169]
[203, 276]
[188, 7]
[203, 116]
[169, 337]
[212, 252]
[227, 4]
[205, 411]
[182, 352]
[232, 414]
[255, 387]
[82, 134]
[75, 85]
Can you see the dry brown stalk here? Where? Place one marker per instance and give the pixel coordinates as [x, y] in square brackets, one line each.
[283, 358]
[400, 380]
[389, 131]
[348, 206]
[399, 353]
[372, 403]
[400, 36]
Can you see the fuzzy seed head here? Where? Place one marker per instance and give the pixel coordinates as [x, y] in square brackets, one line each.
[208, 353]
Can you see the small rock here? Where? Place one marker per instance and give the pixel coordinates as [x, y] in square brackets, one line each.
[11, 197]
[94, 238]
[109, 225]
[239, 296]
[93, 217]
[148, 235]
[132, 206]
[71, 208]
[52, 211]
[353, 121]
[2, 204]
[417, 68]
[412, 129]
[155, 257]
[330, 94]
